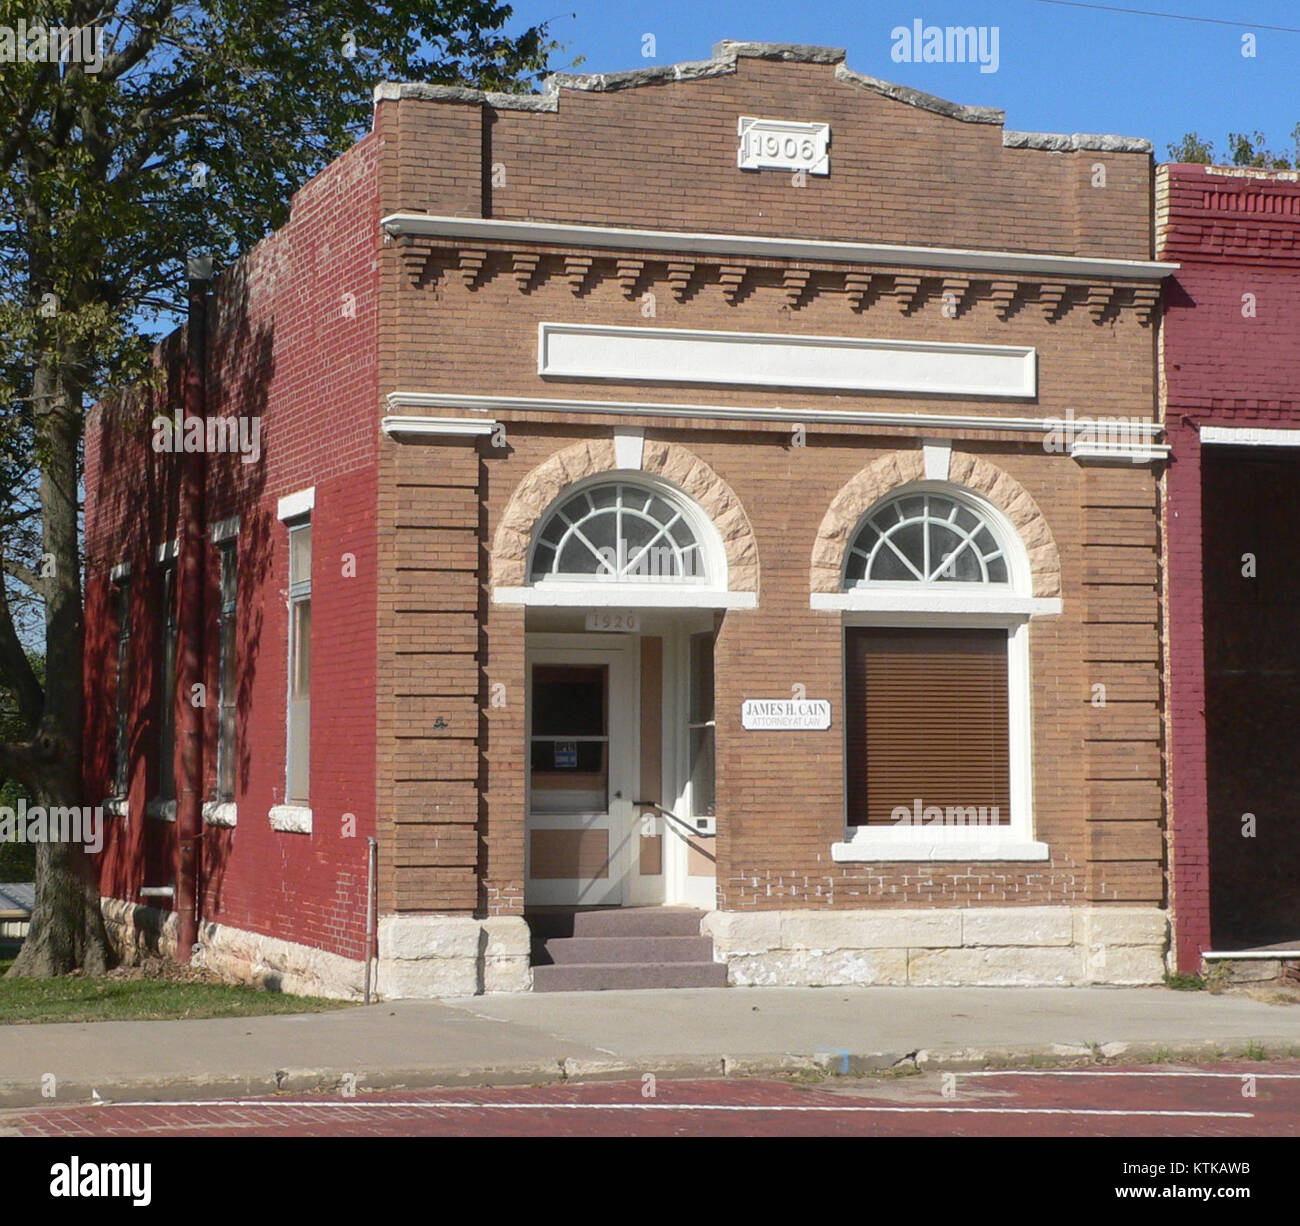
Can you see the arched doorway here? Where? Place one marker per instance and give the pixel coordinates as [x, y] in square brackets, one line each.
[625, 575]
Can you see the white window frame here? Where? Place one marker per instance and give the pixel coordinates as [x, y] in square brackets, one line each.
[987, 600]
[697, 522]
[711, 724]
[227, 753]
[295, 815]
[162, 806]
[972, 606]
[588, 592]
[681, 888]
[121, 783]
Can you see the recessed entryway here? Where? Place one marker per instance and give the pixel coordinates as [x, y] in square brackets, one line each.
[1251, 558]
[620, 762]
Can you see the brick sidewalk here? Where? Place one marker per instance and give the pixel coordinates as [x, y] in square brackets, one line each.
[1129, 1102]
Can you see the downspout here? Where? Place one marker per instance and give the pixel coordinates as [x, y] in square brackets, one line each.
[191, 573]
[372, 873]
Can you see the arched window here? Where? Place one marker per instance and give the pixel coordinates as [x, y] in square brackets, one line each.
[620, 531]
[937, 597]
[926, 538]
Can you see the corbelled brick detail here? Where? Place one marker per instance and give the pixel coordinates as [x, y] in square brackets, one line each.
[901, 468]
[671, 463]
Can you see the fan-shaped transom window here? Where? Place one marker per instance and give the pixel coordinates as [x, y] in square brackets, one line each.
[926, 538]
[619, 531]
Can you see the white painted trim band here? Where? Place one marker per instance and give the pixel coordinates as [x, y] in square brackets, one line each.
[874, 600]
[878, 254]
[1250, 436]
[770, 359]
[832, 417]
[1142, 453]
[624, 596]
[868, 849]
[433, 427]
[1251, 955]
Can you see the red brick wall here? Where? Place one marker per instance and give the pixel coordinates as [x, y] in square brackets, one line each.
[293, 341]
[1235, 233]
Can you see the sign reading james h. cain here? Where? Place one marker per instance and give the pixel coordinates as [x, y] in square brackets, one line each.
[781, 144]
[799, 714]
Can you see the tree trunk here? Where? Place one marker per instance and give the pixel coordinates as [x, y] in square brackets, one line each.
[66, 929]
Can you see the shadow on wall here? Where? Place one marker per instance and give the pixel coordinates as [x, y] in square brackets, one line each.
[138, 512]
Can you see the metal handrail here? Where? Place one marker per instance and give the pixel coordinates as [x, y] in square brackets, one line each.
[681, 821]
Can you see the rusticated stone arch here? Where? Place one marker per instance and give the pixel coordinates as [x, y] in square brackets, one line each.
[676, 465]
[969, 472]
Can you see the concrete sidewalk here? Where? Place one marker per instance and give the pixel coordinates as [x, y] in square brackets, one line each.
[526, 1039]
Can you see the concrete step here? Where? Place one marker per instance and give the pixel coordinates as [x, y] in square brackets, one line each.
[595, 950]
[638, 922]
[608, 976]
[1281, 971]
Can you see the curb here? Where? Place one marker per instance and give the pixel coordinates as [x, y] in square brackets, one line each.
[818, 1065]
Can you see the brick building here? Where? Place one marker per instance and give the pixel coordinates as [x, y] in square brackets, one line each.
[693, 482]
[1231, 358]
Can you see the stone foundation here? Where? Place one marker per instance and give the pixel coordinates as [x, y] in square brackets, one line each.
[452, 955]
[958, 947]
[424, 956]
[236, 954]
[419, 956]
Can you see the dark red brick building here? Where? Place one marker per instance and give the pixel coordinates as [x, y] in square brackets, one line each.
[1231, 375]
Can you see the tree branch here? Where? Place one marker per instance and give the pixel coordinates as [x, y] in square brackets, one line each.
[18, 762]
[25, 575]
[16, 670]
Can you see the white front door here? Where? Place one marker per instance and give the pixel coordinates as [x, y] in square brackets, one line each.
[583, 770]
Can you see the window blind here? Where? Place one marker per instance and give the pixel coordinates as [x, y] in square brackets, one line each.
[927, 726]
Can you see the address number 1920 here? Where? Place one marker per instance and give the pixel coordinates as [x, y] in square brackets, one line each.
[616, 620]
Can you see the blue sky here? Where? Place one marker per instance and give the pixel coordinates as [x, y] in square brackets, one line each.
[1061, 68]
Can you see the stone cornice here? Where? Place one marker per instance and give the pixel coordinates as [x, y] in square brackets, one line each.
[723, 63]
[474, 230]
[430, 257]
[1077, 142]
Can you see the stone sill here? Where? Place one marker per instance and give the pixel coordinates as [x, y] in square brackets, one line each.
[161, 810]
[872, 848]
[220, 813]
[114, 806]
[291, 819]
